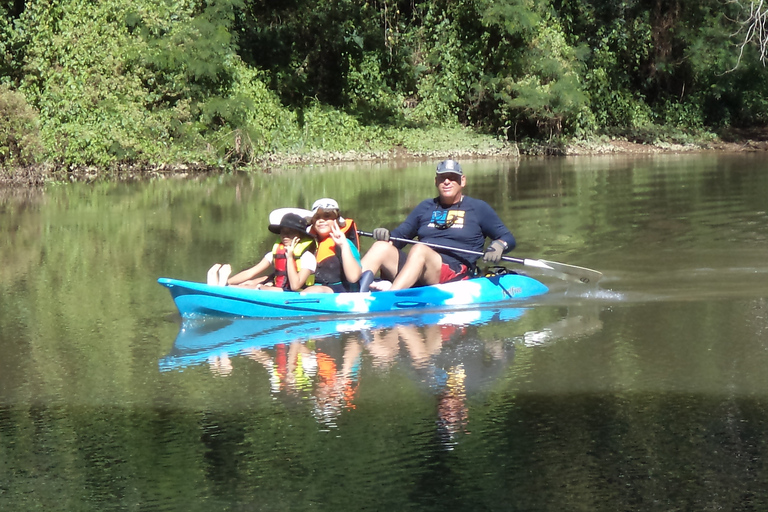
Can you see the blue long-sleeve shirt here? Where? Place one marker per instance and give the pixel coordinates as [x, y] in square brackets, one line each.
[468, 223]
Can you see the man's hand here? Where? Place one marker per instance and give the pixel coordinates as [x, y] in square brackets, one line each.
[494, 251]
[381, 234]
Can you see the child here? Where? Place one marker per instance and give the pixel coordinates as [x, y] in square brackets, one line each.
[338, 257]
[292, 258]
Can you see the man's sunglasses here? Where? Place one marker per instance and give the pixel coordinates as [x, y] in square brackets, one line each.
[451, 176]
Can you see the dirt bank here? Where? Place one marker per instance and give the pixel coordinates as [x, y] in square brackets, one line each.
[36, 176]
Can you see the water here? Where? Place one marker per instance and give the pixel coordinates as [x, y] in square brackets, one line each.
[647, 392]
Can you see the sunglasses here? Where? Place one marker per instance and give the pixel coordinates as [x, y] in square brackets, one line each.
[451, 176]
[446, 223]
[330, 215]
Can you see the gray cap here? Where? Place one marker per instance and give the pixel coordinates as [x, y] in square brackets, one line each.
[449, 167]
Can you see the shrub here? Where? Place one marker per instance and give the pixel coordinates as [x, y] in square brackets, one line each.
[19, 130]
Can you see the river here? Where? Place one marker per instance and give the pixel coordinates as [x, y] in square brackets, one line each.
[648, 391]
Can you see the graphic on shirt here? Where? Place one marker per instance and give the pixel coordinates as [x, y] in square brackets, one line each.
[444, 219]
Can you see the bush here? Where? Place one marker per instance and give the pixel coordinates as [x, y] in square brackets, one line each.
[19, 130]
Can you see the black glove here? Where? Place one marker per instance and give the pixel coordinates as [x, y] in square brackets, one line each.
[493, 252]
[381, 234]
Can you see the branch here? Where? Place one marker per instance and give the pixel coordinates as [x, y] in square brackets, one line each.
[755, 30]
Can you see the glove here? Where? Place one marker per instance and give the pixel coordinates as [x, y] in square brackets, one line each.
[381, 234]
[493, 252]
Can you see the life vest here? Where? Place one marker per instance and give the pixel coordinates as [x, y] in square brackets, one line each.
[329, 268]
[280, 262]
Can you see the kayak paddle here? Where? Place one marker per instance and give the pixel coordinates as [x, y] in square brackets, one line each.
[551, 268]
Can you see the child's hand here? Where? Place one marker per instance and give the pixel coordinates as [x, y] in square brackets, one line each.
[337, 235]
[289, 248]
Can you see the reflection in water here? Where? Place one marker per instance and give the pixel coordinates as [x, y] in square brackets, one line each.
[220, 364]
[452, 409]
[580, 321]
[301, 369]
[322, 362]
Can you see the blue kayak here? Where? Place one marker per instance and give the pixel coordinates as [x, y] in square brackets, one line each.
[201, 339]
[195, 300]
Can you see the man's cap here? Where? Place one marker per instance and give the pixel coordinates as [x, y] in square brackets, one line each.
[449, 167]
[290, 221]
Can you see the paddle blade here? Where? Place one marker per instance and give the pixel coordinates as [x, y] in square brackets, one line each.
[571, 272]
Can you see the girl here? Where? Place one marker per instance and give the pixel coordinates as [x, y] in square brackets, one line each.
[338, 257]
[292, 258]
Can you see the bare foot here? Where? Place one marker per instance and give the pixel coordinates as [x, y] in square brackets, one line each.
[224, 272]
[381, 286]
[213, 274]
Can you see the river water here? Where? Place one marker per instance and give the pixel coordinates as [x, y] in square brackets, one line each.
[646, 392]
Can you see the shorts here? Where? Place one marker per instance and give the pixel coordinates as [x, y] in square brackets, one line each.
[448, 273]
[337, 287]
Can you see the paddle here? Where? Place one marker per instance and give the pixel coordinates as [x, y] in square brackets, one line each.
[551, 268]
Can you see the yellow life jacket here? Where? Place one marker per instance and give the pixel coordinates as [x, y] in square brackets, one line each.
[279, 261]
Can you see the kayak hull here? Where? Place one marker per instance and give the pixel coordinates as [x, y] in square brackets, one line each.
[194, 300]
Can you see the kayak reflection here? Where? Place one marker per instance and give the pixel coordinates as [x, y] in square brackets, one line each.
[449, 354]
[200, 340]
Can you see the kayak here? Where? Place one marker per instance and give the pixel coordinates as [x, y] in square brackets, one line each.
[195, 300]
[199, 340]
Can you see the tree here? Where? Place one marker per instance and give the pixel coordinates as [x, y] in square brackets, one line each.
[753, 29]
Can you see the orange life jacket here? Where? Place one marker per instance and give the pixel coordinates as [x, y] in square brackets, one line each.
[329, 267]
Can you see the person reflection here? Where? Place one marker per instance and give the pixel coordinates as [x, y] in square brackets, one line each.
[452, 411]
[291, 369]
[220, 364]
[337, 387]
[424, 345]
[302, 370]
[421, 345]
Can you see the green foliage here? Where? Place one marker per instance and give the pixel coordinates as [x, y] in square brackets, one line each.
[548, 93]
[226, 82]
[325, 128]
[306, 47]
[5, 38]
[19, 131]
[92, 109]
[441, 72]
[369, 96]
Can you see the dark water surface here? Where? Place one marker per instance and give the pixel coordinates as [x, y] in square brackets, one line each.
[649, 392]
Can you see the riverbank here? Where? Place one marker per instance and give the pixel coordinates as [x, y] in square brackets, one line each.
[37, 176]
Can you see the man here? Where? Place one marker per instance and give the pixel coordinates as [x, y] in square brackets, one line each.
[451, 219]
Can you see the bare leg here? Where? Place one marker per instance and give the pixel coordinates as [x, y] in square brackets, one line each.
[271, 288]
[423, 264]
[254, 283]
[382, 256]
[213, 274]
